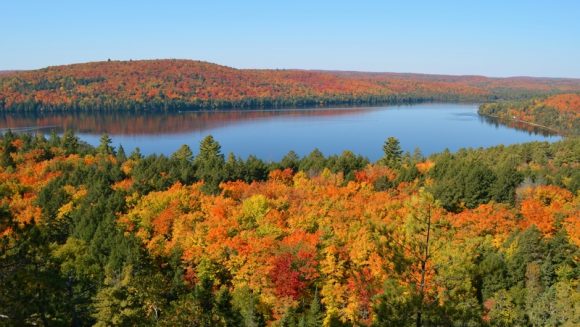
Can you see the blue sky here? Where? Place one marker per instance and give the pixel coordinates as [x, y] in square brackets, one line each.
[493, 38]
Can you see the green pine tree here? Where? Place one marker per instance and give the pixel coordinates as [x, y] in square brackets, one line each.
[121, 155]
[105, 147]
[210, 164]
[70, 142]
[314, 316]
[393, 152]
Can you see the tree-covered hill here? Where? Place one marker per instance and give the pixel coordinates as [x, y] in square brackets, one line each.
[187, 84]
[560, 113]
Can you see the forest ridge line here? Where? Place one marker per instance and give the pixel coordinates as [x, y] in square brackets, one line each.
[316, 70]
[187, 84]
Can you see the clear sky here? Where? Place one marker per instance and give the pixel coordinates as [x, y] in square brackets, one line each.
[485, 37]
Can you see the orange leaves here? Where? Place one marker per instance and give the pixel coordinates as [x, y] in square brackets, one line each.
[572, 226]
[301, 240]
[282, 176]
[21, 186]
[535, 213]
[425, 166]
[487, 219]
[544, 205]
[372, 173]
[146, 82]
[288, 236]
[559, 113]
[270, 235]
[123, 185]
[18, 143]
[24, 209]
[564, 102]
[234, 190]
[162, 222]
[162, 219]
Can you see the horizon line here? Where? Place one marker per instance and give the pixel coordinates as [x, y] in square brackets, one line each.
[3, 71]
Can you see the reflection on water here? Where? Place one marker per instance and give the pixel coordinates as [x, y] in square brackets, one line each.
[272, 133]
[519, 125]
[152, 123]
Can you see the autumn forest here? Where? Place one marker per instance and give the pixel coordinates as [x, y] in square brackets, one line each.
[190, 85]
[290, 163]
[95, 235]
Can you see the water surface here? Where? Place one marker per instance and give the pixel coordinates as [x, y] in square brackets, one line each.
[270, 134]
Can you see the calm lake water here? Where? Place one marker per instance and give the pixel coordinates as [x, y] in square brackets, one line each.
[270, 134]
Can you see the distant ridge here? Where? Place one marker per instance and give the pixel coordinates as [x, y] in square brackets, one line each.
[173, 84]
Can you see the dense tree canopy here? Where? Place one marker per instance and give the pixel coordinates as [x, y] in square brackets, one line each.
[486, 237]
[560, 113]
[187, 84]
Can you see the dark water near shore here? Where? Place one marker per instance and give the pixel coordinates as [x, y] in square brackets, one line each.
[270, 134]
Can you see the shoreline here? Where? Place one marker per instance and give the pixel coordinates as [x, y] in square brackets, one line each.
[525, 122]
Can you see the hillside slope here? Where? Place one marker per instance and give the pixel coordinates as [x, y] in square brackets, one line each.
[187, 84]
[560, 112]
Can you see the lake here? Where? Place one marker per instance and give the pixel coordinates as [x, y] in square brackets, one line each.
[270, 134]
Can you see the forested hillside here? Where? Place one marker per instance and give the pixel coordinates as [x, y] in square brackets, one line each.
[560, 112]
[481, 237]
[187, 85]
